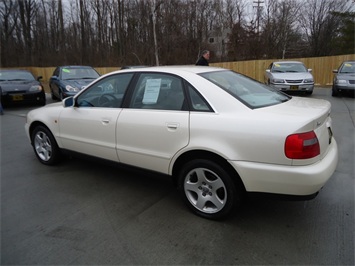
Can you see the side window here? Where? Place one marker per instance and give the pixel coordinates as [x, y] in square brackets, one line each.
[158, 91]
[56, 72]
[107, 92]
[198, 103]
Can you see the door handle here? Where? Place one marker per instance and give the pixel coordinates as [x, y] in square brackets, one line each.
[172, 126]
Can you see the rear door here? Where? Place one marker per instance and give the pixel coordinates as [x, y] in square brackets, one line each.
[155, 125]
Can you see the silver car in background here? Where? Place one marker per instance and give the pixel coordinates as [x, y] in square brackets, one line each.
[344, 78]
[290, 76]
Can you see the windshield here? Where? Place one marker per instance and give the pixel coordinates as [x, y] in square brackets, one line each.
[16, 75]
[288, 68]
[250, 92]
[348, 67]
[79, 73]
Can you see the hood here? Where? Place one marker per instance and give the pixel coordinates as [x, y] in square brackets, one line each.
[78, 83]
[289, 75]
[345, 75]
[22, 85]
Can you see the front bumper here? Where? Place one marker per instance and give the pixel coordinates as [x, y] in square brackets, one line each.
[288, 180]
[287, 87]
[23, 97]
[345, 87]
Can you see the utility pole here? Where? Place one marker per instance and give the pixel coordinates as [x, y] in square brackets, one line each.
[258, 5]
[154, 18]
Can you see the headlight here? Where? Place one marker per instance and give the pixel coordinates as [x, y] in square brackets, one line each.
[36, 88]
[308, 81]
[277, 81]
[340, 81]
[71, 88]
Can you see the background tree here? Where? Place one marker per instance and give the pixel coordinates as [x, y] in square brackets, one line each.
[8, 22]
[120, 32]
[344, 34]
[27, 13]
[319, 24]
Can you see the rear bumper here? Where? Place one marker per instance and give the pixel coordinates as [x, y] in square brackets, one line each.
[288, 180]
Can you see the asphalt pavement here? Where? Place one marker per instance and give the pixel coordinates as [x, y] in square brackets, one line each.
[84, 212]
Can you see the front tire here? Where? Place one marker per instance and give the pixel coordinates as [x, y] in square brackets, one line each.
[335, 92]
[208, 189]
[45, 146]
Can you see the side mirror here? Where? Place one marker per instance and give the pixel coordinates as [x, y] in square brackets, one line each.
[39, 78]
[267, 70]
[310, 70]
[68, 102]
[335, 71]
[54, 77]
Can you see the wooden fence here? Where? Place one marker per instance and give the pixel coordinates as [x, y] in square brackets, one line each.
[322, 68]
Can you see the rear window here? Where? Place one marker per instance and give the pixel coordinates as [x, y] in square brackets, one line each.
[248, 91]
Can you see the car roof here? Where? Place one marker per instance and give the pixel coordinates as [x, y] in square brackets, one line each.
[75, 66]
[15, 70]
[283, 62]
[174, 69]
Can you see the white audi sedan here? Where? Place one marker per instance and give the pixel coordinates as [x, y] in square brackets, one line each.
[220, 135]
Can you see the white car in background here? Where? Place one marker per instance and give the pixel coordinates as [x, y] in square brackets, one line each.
[290, 76]
[218, 134]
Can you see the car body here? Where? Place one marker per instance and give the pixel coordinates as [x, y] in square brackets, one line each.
[290, 76]
[219, 134]
[20, 86]
[69, 80]
[344, 78]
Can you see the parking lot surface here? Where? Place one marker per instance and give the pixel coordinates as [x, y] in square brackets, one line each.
[84, 212]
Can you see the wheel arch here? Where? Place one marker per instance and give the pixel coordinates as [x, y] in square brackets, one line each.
[34, 125]
[202, 154]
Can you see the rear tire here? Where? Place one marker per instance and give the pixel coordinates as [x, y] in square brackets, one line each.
[45, 146]
[208, 189]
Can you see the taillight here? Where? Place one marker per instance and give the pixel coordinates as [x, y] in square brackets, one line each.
[302, 146]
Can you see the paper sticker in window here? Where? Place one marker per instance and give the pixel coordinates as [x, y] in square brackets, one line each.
[151, 92]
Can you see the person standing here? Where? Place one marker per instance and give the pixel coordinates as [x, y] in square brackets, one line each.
[1, 109]
[203, 60]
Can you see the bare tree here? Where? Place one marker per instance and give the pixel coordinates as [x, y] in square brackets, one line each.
[319, 21]
[118, 32]
[280, 27]
[27, 9]
[8, 12]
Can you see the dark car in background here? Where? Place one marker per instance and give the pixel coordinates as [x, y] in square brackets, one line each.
[21, 86]
[69, 80]
[344, 78]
